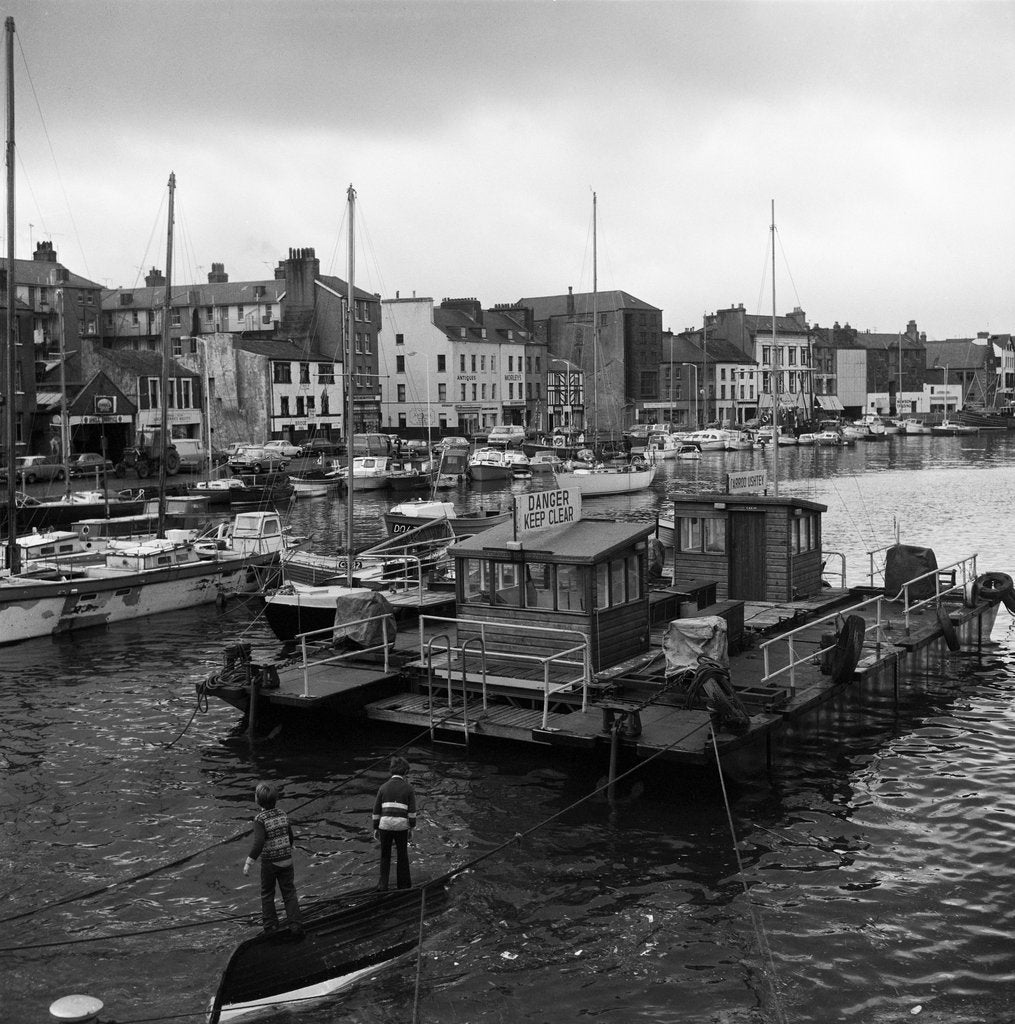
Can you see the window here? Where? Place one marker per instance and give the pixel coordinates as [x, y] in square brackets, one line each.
[282, 373]
[507, 583]
[239, 314]
[463, 394]
[442, 392]
[325, 404]
[702, 534]
[493, 392]
[528, 364]
[538, 391]
[482, 364]
[267, 313]
[804, 533]
[304, 373]
[133, 317]
[474, 392]
[539, 585]
[476, 580]
[401, 421]
[528, 389]
[766, 355]
[177, 346]
[511, 392]
[209, 313]
[174, 318]
[473, 364]
[325, 373]
[300, 410]
[792, 357]
[483, 392]
[462, 359]
[311, 405]
[399, 364]
[511, 364]
[618, 581]
[441, 367]
[401, 393]
[570, 589]
[399, 339]
[537, 364]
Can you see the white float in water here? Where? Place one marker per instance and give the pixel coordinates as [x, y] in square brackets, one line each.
[77, 1008]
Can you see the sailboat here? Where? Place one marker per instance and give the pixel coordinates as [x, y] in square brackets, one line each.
[600, 479]
[130, 579]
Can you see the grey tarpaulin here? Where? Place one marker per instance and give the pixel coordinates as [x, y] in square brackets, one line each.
[688, 640]
[352, 606]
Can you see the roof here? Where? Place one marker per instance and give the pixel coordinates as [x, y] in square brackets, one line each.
[285, 350]
[140, 362]
[216, 293]
[545, 306]
[44, 272]
[957, 353]
[584, 542]
[719, 350]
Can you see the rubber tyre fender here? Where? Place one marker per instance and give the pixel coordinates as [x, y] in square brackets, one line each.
[944, 620]
[848, 647]
[994, 587]
[172, 462]
[722, 698]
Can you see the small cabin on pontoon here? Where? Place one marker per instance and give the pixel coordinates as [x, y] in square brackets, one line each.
[588, 576]
[756, 547]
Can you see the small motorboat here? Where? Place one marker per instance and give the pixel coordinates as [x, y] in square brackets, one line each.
[688, 451]
[343, 940]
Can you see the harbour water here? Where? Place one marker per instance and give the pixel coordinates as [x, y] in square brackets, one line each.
[869, 880]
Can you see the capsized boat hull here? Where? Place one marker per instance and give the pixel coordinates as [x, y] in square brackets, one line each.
[343, 939]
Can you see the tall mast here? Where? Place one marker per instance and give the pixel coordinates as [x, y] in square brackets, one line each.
[164, 381]
[350, 311]
[13, 552]
[775, 373]
[64, 422]
[595, 329]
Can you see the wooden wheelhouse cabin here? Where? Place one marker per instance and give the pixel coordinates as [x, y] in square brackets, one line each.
[756, 547]
[589, 576]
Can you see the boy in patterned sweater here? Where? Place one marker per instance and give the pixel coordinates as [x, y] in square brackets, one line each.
[273, 843]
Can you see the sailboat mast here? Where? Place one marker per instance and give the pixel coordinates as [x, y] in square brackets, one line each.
[775, 374]
[350, 312]
[64, 421]
[164, 381]
[595, 329]
[13, 552]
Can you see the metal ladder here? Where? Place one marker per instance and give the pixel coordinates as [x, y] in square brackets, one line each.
[447, 721]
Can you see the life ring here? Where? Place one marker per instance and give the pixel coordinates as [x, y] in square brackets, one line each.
[848, 647]
[994, 587]
[944, 620]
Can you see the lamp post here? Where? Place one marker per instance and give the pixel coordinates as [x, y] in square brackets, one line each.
[694, 366]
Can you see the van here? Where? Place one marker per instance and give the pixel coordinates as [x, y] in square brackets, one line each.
[193, 455]
[508, 434]
[372, 444]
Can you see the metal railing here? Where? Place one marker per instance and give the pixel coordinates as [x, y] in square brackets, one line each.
[563, 659]
[315, 637]
[948, 579]
[839, 573]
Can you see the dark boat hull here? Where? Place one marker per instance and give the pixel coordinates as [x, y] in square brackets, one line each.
[342, 938]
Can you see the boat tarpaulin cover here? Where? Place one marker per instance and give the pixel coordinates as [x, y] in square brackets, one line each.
[904, 562]
[686, 641]
[360, 616]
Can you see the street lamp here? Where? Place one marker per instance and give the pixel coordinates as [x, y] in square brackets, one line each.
[694, 366]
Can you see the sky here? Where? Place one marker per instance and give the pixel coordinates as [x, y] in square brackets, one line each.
[476, 133]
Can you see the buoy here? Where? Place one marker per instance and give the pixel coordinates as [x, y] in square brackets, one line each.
[76, 1008]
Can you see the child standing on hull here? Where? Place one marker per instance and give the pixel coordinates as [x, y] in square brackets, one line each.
[394, 820]
[273, 843]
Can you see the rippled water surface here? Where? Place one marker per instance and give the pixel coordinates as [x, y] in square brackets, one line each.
[869, 877]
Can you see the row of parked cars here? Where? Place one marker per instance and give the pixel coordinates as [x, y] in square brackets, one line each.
[31, 469]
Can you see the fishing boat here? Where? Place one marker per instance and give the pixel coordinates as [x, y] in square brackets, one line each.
[371, 472]
[603, 480]
[489, 464]
[344, 939]
[913, 427]
[408, 515]
[140, 578]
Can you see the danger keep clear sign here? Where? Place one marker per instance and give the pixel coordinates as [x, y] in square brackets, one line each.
[541, 509]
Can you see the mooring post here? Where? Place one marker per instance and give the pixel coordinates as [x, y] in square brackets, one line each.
[614, 751]
[252, 705]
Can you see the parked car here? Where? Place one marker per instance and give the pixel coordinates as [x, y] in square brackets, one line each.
[506, 434]
[447, 443]
[88, 464]
[30, 468]
[257, 459]
[193, 455]
[286, 448]
[317, 446]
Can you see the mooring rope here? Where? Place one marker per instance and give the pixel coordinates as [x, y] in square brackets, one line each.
[758, 926]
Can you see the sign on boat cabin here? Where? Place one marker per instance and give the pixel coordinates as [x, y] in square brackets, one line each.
[756, 547]
[586, 577]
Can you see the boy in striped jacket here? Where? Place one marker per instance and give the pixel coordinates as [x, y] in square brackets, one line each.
[394, 820]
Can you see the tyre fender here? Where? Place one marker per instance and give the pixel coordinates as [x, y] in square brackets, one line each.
[944, 620]
[994, 587]
[848, 648]
[714, 683]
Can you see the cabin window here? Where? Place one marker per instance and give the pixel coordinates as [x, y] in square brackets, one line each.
[570, 589]
[618, 581]
[702, 534]
[539, 585]
[804, 533]
[507, 583]
[477, 580]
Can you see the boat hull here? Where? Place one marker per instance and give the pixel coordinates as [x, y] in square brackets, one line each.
[34, 609]
[607, 481]
[463, 525]
[343, 939]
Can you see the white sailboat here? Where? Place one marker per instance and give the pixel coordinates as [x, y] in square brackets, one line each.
[602, 479]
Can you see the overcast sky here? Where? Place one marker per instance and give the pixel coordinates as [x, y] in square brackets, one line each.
[475, 134]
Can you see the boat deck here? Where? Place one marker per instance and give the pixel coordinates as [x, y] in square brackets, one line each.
[508, 701]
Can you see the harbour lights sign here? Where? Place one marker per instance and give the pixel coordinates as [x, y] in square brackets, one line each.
[542, 509]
